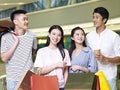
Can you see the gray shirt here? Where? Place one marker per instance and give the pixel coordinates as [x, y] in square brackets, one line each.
[21, 59]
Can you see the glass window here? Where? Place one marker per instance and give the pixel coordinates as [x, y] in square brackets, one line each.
[40, 4]
[28, 7]
[57, 3]
[78, 1]
[7, 12]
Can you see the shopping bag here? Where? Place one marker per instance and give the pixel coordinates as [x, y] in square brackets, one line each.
[40, 82]
[104, 85]
[24, 83]
[96, 84]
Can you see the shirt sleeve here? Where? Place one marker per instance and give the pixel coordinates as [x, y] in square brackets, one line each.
[92, 63]
[4, 46]
[39, 60]
[116, 46]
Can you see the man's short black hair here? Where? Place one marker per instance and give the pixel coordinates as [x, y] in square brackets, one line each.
[102, 11]
[17, 12]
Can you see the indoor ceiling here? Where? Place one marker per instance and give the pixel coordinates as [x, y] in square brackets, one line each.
[5, 4]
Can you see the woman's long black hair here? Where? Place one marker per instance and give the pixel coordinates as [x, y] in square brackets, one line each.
[60, 45]
[72, 45]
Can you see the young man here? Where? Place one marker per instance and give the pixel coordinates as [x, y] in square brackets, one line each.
[108, 43]
[17, 49]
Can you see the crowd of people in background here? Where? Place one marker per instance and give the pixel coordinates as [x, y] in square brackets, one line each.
[18, 46]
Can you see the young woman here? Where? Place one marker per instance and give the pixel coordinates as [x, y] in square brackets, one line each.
[54, 59]
[82, 58]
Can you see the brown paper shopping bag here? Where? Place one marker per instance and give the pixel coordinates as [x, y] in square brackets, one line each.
[44, 82]
[24, 83]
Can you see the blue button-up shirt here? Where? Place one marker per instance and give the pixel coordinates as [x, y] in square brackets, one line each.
[85, 58]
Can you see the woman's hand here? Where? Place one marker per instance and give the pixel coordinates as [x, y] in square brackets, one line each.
[77, 67]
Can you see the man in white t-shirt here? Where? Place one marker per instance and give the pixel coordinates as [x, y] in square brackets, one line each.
[17, 48]
[108, 43]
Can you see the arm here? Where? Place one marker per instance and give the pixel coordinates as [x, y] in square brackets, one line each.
[65, 74]
[48, 69]
[102, 58]
[113, 60]
[5, 56]
[116, 50]
[77, 67]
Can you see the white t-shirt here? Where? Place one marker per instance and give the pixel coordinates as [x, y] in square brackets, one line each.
[109, 44]
[47, 57]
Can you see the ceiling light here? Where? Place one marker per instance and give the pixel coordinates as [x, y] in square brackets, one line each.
[20, 3]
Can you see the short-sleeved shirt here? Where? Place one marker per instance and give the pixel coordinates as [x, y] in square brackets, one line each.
[47, 57]
[109, 44]
[85, 58]
[21, 59]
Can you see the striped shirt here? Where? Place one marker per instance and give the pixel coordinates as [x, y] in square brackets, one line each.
[21, 60]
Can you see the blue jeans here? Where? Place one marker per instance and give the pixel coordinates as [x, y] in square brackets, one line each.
[112, 84]
[11, 84]
[61, 89]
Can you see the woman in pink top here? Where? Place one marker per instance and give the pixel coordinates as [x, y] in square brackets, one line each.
[54, 59]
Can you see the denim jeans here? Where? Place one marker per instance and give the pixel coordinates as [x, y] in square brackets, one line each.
[61, 89]
[112, 84]
[11, 84]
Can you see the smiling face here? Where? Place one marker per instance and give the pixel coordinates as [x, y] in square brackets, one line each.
[78, 36]
[21, 21]
[55, 37]
[98, 20]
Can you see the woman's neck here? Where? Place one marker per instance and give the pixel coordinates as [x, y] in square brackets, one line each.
[79, 47]
[52, 46]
